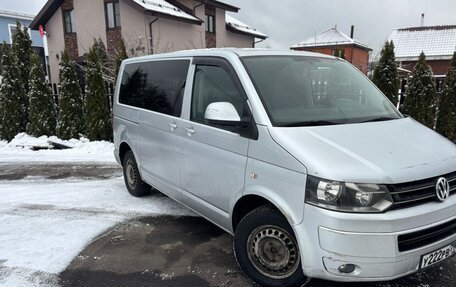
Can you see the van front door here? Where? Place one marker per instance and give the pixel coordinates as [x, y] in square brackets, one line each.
[215, 157]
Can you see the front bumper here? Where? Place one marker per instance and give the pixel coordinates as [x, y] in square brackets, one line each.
[329, 239]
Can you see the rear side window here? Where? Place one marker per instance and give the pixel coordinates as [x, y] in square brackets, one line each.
[156, 86]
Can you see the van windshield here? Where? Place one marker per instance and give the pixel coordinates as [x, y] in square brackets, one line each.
[308, 91]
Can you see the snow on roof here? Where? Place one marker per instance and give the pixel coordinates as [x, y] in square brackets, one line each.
[330, 37]
[242, 27]
[16, 15]
[164, 7]
[437, 42]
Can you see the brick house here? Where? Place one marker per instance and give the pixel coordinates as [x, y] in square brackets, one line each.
[437, 42]
[147, 26]
[333, 40]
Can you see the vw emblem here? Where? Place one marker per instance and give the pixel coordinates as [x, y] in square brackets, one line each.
[442, 189]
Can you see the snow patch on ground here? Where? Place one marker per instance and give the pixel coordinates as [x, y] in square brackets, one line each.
[19, 150]
[45, 225]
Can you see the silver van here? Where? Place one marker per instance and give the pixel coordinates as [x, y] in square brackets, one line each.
[298, 155]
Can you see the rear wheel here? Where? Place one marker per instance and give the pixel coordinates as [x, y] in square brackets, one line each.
[267, 250]
[135, 185]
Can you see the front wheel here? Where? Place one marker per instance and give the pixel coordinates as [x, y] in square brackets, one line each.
[267, 250]
[135, 185]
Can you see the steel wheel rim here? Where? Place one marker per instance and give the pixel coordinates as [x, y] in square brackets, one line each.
[131, 174]
[273, 252]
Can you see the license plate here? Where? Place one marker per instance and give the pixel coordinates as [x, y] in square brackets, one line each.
[437, 256]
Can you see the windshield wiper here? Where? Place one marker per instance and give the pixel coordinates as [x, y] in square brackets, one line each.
[380, 119]
[310, 124]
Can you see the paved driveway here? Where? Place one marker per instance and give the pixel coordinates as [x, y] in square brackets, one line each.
[48, 214]
[188, 251]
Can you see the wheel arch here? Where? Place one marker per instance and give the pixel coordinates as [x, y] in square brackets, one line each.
[244, 205]
[123, 149]
[249, 202]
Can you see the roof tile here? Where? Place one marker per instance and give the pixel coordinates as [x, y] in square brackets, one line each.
[437, 42]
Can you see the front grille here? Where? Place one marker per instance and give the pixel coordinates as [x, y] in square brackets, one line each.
[418, 192]
[425, 237]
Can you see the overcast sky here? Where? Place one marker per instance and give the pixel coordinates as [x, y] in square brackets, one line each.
[288, 22]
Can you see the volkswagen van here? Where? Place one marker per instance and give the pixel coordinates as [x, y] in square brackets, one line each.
[298, 155]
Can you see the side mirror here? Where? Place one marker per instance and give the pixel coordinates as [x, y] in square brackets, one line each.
[222, 113]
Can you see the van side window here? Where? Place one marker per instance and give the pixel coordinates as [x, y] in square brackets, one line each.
[156, 86]
[213, 84]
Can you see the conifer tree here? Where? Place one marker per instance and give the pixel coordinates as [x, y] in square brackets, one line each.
[121, 55]
[105, 61]
[70, 120]
[100, 49]
[98, 116]
[446, 121]
[22, 49]
[12, 97]
[385, 73]
[42, 114]
[421, 94]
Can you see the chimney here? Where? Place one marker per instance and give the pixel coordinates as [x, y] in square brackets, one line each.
[352, 32]
[422, 19]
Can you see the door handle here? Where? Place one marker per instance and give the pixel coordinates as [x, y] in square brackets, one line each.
[172, 126]
[190, 131]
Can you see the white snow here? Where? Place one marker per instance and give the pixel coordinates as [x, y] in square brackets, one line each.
[242, 27]
[16, 15]
[437, 42]
[19, 150]
[165, 7]
[45, 224]
[330, 37]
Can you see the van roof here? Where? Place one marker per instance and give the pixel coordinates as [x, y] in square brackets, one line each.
[229, 52]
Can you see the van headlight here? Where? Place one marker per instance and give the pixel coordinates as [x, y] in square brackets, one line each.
[347, 197]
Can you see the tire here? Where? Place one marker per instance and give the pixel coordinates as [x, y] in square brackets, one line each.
[133, 181]
[266, 249]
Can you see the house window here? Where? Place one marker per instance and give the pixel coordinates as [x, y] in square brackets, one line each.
[13, 31]
[337, 52]
[112, 11]
[68, 17]
[210, 23]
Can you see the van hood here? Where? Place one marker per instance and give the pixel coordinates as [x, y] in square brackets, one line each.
[392, 151]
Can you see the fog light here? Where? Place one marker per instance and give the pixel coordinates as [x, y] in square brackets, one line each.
[346, 268]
